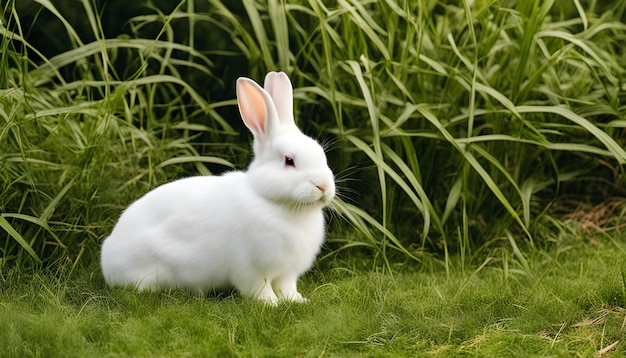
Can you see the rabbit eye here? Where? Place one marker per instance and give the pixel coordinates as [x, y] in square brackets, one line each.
[289, 162]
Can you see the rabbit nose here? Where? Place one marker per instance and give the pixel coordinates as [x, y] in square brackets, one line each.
[322, 187]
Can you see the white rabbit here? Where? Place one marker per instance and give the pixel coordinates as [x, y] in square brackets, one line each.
[257, 231]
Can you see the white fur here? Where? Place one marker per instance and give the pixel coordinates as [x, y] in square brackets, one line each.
[257, 231]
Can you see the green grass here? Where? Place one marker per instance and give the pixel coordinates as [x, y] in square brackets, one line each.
[567, 302]
[465, 124]
[461, 133]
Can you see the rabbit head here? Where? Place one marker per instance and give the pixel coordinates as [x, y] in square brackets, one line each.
[288, 167]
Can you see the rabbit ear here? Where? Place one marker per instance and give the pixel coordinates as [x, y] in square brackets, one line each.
[256, 108]
[278, 85]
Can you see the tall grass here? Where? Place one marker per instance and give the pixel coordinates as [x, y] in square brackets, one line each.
[456, 126]
[87, 130]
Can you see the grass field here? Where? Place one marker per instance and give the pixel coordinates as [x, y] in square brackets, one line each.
[568, 302]
[476, 145]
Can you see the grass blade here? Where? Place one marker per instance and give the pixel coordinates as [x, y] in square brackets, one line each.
[4, 224]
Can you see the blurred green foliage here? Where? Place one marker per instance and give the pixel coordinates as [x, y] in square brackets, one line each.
[454, 127]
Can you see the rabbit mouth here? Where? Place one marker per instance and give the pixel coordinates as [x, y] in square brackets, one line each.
[316, 197]
[307, 194]
[325, 193]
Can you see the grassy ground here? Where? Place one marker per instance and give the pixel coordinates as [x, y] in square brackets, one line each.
[454, 126]
[568, 302]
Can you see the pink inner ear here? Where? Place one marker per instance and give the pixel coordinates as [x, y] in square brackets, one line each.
[252, 107]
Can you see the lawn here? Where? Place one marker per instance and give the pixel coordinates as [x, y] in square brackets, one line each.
[568, 301]
[466, 138]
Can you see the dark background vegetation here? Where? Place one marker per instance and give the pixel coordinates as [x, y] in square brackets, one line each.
[416, 97]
